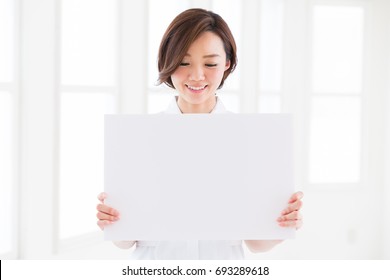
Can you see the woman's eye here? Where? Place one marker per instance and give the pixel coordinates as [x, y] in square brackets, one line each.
[211, 65]
[184, 64]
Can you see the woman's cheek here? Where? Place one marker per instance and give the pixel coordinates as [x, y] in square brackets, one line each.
[216, 75]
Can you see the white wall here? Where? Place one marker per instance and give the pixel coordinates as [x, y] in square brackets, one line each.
[379, 69]
[386, 197]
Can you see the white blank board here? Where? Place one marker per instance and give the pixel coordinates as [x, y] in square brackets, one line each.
[198, 176]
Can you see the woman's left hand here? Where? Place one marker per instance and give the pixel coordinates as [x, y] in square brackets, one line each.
[290, 216]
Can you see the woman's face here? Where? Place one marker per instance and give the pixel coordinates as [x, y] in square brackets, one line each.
[200, 74]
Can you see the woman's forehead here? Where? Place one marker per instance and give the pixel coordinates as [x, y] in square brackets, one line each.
[209, 44]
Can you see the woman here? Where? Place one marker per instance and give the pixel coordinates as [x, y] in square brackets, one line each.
[196, 55]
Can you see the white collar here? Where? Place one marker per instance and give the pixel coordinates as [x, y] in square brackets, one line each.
[173, 108]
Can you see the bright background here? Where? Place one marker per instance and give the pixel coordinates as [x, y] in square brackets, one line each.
[64, 64]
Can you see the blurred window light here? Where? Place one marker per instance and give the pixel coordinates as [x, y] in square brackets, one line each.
[159, 101]
[81, 159]
[88, 42]
[269, 103]
[88, 67]
[335, 140]
[337, 43]
[271, 45]
[335, 124]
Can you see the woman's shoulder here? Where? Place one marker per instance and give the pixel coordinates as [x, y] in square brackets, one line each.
[220, 107]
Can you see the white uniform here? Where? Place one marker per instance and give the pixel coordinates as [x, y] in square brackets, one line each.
[189, 249]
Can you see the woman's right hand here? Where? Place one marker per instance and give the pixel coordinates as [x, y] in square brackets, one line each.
[106, 215]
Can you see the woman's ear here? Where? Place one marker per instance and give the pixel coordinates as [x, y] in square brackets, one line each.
[227, 66]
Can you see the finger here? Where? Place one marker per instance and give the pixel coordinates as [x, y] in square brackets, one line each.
[296, 196]
[291, 224]
[107, 210]
[294, 206]
[102, 196]
[103, 224]
[293, 216]
[104, 216]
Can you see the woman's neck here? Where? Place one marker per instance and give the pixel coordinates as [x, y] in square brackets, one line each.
[204, 108]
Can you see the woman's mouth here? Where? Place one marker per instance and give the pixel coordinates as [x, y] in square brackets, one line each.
[196, 89]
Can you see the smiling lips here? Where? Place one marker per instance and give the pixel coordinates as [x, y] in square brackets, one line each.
[196, 89]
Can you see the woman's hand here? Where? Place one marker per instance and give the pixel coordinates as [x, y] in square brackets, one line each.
[106, 215]
[290, 216]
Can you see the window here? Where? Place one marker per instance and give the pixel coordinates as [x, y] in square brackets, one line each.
[88, 89]
[336, 93]
[271, 50]
[7, 128]
[335, 139]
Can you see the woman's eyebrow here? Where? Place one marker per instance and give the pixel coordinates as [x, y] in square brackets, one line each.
[211, 55]
[206, 56]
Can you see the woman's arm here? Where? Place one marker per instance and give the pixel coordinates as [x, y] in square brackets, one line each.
[258, 246]
[124, 244]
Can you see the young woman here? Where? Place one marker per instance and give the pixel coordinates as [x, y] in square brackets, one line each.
[196, 55]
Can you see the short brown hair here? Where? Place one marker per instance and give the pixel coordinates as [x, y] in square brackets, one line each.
[182, 32]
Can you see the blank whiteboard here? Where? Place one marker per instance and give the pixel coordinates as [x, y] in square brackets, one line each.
[198, 176]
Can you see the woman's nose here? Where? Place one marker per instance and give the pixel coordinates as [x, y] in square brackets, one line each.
[197, 74]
